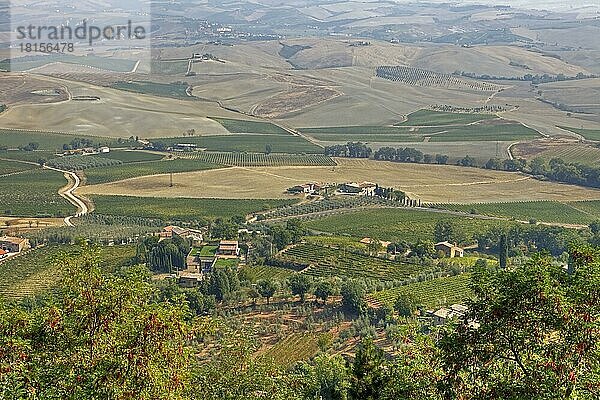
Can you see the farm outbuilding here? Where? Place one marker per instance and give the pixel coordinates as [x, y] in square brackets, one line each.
[450, 250]
[13, 244]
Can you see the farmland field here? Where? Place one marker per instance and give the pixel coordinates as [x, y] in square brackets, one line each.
[396, 224]
[484, 132]
[182, 209]
[11, 167]
[438, 118]
[431, 294]
[575, 153]
[327, 262]
[31, 156]
[37, 271]
[46, 140]
[589, 134]
[293, 348]
[34, 193]
[31, 273]
[133, 170]
[127, 156]
[260, 160]
[251, 143]
[79, 163]
[543, 211]
[258, 272]
[241, 126]
[430, 183]
[177, 90]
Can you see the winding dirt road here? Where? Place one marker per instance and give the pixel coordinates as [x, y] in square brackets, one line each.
[68, 193]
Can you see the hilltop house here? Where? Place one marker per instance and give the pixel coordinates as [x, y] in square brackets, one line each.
[13, 244]
[450, 250]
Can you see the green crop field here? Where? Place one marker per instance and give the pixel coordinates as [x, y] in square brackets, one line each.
[258, 272]
[293, 348]
[169, 67]
[46, 140]
[542, 211]
[589, 134]
[31, 156]
[328, 262]
[250, 143]
[591, 208]
[482, 133]
[34, 193]
[396, 224]
[133, 170]
[11, 167]
[175, 90]
[437, 118]
[260, 160]
[431, 294]
[182, 209]
[241, 126]
[80, 163]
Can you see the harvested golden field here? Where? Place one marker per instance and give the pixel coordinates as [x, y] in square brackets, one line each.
[431, 183]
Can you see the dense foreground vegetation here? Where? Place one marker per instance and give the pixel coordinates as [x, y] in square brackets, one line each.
[530, 332]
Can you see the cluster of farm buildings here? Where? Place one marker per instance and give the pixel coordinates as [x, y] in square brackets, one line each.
[11, 246]
[351, 188]
[204, 255]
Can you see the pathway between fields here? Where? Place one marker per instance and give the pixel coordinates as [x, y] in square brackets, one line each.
[68, 193]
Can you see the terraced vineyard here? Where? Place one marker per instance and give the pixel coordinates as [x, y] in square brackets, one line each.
[261, 159]
[37, 270]
[293, 348]
[425, 78]
[31, 273]
[329, 204]
[326, 262]
[431, 294]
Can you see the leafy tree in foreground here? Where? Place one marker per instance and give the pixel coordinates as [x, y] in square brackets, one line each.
[531, 333]
[101, 337]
